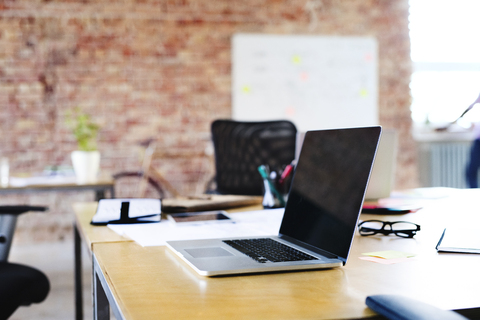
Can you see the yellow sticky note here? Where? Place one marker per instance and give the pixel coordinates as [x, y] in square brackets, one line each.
[389, 254]
[296, 59]
[246, 89]
[364, 93]
[386, 261]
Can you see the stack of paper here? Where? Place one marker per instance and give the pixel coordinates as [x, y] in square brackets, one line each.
[252, 223]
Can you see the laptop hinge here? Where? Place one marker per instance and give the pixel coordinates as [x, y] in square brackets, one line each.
[311, 248]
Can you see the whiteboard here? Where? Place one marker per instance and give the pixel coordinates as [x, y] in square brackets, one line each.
[316, 82]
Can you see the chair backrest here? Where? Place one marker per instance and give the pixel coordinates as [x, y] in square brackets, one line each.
[241, 147]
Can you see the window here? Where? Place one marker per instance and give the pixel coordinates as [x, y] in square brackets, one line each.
[445, 50]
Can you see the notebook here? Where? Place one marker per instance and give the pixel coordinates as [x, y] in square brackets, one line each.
[462, 240]
[383, 173]
[321, 212]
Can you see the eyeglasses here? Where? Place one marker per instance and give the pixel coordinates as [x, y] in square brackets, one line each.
[403, 229]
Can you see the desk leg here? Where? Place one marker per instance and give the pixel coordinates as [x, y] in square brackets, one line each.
[99, 194]
[103, 298]
[112, 192]
[78, 274]
[101, 308]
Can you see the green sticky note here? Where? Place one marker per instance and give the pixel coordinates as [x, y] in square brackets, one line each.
[389, 254]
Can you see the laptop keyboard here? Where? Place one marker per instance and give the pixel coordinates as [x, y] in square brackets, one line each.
[266, 249]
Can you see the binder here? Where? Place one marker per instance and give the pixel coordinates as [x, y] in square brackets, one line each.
[126, 211]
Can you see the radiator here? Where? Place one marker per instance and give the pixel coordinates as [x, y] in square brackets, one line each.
[443, 164]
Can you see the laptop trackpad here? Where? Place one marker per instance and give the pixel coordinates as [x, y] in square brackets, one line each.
[208, 252]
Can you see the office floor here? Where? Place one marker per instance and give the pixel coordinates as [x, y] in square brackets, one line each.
[56, 261]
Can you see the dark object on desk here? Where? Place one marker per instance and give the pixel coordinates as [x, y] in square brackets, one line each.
[208, 202]
[459, 240]
[385, 210]
[241, 147]
[20, 285]
[202, 217]
[397, 307]
[374, 208]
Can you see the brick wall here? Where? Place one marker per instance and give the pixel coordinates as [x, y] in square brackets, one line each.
[159, 69]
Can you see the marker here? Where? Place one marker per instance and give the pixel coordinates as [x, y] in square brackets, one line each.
[288, 170]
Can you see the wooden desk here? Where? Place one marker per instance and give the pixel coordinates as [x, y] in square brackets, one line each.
[89, 235]
[150, 282]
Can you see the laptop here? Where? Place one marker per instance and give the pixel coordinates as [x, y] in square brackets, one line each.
[383, 172]
[321, 213]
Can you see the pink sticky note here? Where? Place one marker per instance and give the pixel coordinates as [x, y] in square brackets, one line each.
[386, 261]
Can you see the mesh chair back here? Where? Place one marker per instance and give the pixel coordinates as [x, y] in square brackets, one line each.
[241, 147]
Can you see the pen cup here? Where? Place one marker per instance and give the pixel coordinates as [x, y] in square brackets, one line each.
[275, 190]
[271, 200]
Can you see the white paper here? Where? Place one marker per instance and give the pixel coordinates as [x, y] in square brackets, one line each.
[251, 223]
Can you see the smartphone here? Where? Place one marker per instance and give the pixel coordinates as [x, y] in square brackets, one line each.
[204, 216]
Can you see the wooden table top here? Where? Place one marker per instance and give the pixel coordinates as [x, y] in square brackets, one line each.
[151, 282]
[69, 182]
[84, 211]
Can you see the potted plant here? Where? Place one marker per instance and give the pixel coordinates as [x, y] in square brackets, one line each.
[86, 159]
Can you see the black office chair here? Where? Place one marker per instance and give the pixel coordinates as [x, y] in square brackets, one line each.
[20, 285]
[241, 147]
[396, 307]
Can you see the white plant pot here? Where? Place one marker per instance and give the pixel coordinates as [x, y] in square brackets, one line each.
[86, 165]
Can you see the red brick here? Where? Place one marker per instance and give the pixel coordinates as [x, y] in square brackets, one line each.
[159, 69]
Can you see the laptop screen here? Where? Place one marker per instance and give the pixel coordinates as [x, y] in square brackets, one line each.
[327, 191]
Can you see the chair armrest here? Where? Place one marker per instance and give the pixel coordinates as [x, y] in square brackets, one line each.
[397, 307]
[8, 220]
[20, 209]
